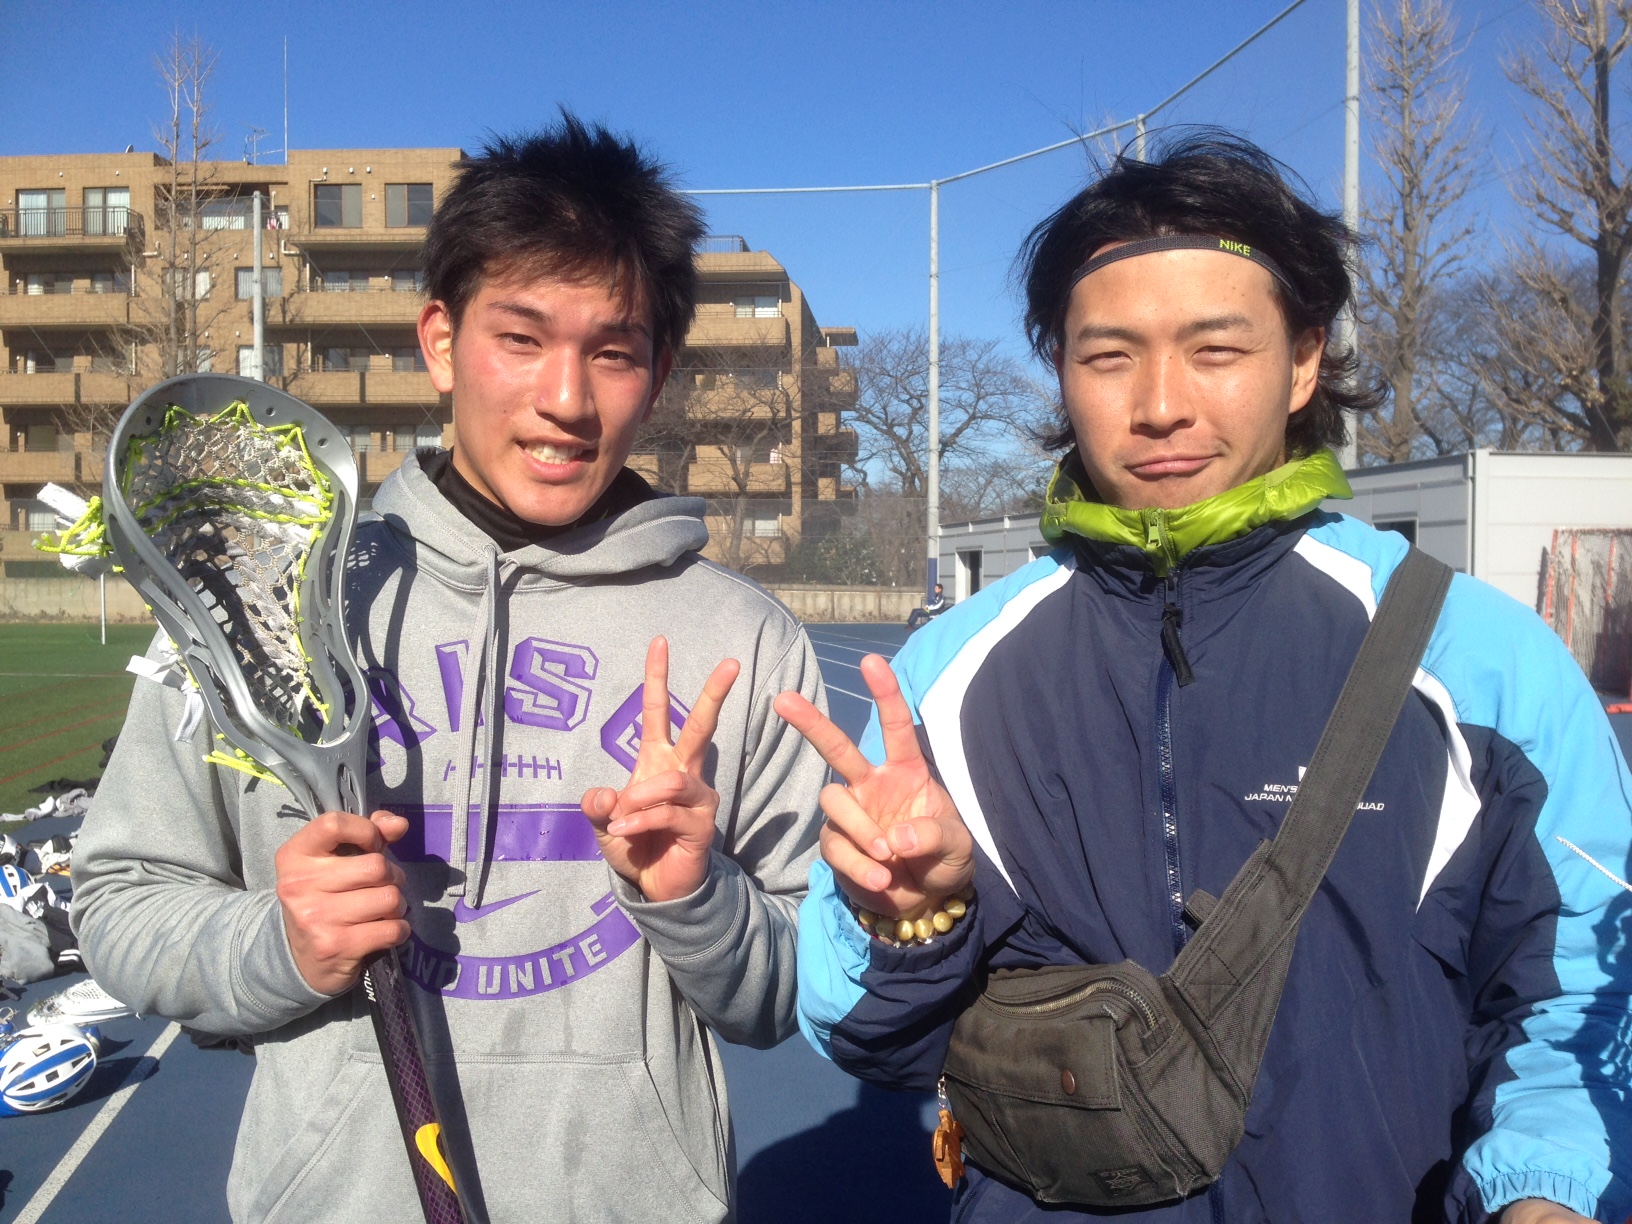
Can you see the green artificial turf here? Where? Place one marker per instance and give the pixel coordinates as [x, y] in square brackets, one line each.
[61, 694]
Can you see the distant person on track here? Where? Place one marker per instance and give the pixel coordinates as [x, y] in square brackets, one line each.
[1069, 769]
[931, 609]
[583, 899]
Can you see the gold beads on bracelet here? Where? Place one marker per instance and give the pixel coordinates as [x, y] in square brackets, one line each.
[906, 931]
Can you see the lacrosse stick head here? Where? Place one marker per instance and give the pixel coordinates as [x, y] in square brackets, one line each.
[230, 506]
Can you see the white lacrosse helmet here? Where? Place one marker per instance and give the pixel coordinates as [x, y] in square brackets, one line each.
[44, 1066]
[10, 851]
[14, 882]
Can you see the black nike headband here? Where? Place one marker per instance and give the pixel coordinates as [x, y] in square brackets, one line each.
[1181, 242]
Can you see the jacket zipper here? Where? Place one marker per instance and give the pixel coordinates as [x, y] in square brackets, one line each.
[1174, 666]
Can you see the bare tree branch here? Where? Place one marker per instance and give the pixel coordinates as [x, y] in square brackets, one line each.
[1576, 184]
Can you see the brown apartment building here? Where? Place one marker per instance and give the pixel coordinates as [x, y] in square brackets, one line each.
[120, 267]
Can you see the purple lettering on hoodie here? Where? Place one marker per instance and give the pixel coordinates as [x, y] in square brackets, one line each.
[620, 734]
[523, 833]
[547, 692]
[450, 661]
[514, 977]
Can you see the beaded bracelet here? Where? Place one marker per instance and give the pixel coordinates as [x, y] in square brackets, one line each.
[903, 932]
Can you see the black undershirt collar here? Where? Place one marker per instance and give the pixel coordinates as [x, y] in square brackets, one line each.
[509, 531]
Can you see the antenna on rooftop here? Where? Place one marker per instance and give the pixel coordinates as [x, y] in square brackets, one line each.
[286, 99]
[252, 145]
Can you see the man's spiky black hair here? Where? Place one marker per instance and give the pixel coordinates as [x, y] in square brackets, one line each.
[572, 201]
[1208, 182]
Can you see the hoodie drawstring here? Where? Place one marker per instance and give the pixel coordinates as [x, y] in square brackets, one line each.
[481, 683]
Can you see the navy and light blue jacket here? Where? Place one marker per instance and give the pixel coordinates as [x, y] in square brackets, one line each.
[1454, 1033]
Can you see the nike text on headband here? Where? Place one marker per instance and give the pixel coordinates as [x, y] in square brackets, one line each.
[1182, 242]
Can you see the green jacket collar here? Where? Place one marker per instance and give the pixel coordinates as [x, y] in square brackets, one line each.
[1166, 536]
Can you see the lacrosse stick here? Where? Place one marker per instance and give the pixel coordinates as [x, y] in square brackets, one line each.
[230, 507]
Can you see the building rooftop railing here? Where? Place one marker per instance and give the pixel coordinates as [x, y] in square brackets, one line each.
[49, 223]
[723, 244]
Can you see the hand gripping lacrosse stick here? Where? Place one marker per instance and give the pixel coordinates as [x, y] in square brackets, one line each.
[231, 506]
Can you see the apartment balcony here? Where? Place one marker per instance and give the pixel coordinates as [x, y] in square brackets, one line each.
[48, 230]
[38, 390]
[103, 388]
[347, 237]
[374, 466]
[38, 467]
[840, 445]
[715, 478]
[719, 326]
[77, 310]
[399, 387]
[328, 386]
[19, 545]
[368, 308]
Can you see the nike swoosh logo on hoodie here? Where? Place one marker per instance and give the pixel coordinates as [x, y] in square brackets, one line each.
[472, 913]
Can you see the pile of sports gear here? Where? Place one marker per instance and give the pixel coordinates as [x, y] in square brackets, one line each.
[35, 938]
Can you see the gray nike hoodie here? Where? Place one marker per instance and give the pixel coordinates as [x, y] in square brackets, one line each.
[567, 1020]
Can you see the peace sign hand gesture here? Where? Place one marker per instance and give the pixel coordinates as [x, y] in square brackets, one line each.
[893, 837]
[657, 831]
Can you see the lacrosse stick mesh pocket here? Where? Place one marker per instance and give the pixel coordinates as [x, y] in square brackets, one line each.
[237, 508]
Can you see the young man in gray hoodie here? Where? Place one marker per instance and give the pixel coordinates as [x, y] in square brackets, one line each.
[577, 905]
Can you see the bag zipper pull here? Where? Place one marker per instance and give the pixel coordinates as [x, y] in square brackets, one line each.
[947, 1144]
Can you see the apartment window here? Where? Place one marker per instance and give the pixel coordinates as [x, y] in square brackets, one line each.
[758, 306]
[341, 280]
[107, 210]
[361, 439]
[403, 438]
[408, 204]
[766, 528]
[36, 283]
[271, 283]
[38, 362]
[408, 280]
[428, 433]
[110, 282]
[229, 213]
[271, 360]
[180, 283]
[407, 359]
[42, 213]
[205, 362]
[40, 518]
[346, 358]
[337, 205]
[40, 438]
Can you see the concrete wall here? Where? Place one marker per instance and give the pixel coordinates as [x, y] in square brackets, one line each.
[856, 604]
[75, 599]
[70, 598]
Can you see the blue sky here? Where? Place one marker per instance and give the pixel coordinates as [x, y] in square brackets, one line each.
[766, 94]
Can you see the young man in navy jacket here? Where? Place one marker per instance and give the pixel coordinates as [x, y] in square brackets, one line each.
[1084, 744]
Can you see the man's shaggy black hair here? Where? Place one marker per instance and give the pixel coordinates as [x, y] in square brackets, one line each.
[575, 202]
[1208, 182]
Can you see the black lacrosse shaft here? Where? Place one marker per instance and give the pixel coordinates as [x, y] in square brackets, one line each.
[411, 1089]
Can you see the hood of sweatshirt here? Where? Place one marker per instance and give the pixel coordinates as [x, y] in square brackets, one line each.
[453, 550]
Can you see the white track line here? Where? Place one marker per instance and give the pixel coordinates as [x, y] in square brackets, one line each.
[833, 688]
[69, 1164]
[892, 647]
